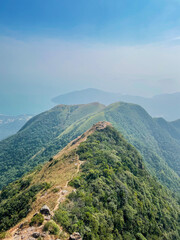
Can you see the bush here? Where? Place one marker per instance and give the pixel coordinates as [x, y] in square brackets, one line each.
[2, 235]
[55, 190]
[17, 207]
[52, 227]
[37, 220]
[139, 236]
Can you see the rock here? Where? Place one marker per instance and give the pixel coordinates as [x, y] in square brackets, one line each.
[47, 217]
[35, 214]
[36, 235]
[21, 225]
[43, 235]
[75, 236]
[45, 210]
[18, 232]
[64, 192]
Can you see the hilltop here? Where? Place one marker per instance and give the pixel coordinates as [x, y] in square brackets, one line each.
[97, 186]
[164, 105]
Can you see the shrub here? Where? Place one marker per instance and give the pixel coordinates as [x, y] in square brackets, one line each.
[46, 186]
[2, 235]
[55, 190]
[37, 220]
[52, 227]
[139, 236]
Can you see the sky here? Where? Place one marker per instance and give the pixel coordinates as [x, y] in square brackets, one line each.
[50, 47]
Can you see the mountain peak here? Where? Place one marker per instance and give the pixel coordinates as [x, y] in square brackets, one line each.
[100, 125]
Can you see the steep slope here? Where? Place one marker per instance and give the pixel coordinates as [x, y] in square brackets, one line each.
[161, 151]
[18, 154]
[9, 125]
[171, 143]
[176, 124]
[47, 184]
[115, 197]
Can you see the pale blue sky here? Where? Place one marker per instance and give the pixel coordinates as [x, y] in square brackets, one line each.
[52, 47]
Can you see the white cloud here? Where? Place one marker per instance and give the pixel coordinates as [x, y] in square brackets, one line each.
[58, 66]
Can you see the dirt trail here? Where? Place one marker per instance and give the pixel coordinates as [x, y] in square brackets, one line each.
[64, 191]
[28, 232]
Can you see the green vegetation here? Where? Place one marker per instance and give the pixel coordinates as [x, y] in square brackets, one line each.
[2, 235]
[51, 227]
[15, 202]
[37, 220]
[116, 198]
[38, 140]
[161, 151]
[46, 134]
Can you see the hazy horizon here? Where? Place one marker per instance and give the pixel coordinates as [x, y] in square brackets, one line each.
[50, 48]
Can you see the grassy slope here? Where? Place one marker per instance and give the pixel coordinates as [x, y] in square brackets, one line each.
[52, 178]
[145, 134]
[47, 133]
[20, 153]
[112, 186]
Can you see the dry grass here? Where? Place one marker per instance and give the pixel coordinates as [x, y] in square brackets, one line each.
[57, 173]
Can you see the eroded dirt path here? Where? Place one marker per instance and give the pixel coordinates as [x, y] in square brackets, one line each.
[64, 191]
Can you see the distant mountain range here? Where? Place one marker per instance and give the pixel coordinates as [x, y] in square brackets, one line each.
[165, 105]
[9, 125]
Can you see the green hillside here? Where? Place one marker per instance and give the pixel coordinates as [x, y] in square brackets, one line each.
[176, 124]
[161, 151]
[115, 197]
[18, 153]
[47, 133]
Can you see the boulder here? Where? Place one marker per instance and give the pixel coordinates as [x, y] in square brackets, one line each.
[23, 225]
[45, 210]
[36, 235]
[75, 236]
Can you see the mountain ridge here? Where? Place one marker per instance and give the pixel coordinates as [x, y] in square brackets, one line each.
[46, 134]
[103, 175]
[164, 105]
